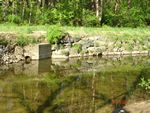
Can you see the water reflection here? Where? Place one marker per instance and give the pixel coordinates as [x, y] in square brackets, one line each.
[89, 85]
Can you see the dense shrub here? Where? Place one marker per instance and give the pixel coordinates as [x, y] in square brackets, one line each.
[13, 19]
[54, 34]
[89, 19]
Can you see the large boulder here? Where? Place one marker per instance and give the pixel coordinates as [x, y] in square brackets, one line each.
[95, 51]
[60, 54]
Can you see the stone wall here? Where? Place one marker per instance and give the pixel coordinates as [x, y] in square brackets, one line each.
[72, 47]
[14, 53]
[98, 46]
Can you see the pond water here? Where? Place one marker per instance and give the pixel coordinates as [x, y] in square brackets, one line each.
[87, 85]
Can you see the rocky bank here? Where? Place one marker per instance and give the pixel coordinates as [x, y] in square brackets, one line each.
[98, 46]
[70, 46]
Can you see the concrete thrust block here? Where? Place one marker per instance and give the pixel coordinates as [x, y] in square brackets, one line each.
[38, 51]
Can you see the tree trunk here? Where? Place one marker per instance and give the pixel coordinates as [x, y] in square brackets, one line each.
[43, 4]
[99, 9]
[23, 8]
[116, 6]
[5, 5]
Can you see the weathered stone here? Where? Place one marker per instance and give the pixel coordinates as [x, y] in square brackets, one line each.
[90, 45]
[112, 53]
[95, 51]
[1, 50]
[109, 46]
[86, 43]
[143, 52]
[63, 53]
[77, 39]
[54, 47]
[115, 49]
[5, 57]
[104, 53]
[73, 52]
[117, 53]
[135, 52]
[59, 56]
[98, 43]
[10, 61]
[65, 39]
[91, 51]
[19, 53]
[10, 48]
[126, 53]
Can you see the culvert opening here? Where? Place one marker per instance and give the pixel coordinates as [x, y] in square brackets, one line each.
[99, 54]
[28, 59]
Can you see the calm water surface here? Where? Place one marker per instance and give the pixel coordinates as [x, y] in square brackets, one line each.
[89, 85]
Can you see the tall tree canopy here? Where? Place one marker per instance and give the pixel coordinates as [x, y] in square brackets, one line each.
[76, 12]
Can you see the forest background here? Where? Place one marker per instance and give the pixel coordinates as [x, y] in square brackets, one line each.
[93, 13]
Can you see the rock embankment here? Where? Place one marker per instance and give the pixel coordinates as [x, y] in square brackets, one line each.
[11, 48]
[71, 46]
[11, 54]
[97, 46]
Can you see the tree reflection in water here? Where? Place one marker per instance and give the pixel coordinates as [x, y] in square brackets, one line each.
[85, 90]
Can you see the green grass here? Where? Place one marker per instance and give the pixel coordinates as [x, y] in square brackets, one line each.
[21, 29]
[109, 32]
[23, 40]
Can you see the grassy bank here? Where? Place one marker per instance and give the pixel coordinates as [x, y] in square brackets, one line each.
[90, 31]
[141, 35]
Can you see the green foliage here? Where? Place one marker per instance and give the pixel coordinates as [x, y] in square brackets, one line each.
[29, 30]
[145, 84]
[135, 18]
[3, 42]
[78, 47]
[125, 15]
[42, 17]
[76, 12]
[13, 19]
[23, 40]
[54, 34]
[89, 19]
